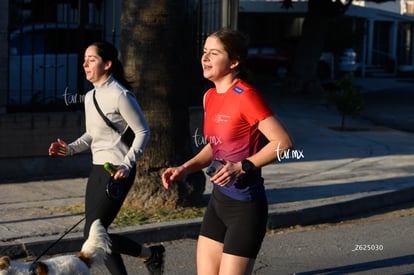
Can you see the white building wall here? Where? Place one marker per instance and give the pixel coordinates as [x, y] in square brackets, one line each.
[397, 6]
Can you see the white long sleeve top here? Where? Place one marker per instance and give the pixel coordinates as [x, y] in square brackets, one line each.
[120, 106]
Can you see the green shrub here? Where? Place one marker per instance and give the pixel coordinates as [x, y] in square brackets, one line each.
[347, 97]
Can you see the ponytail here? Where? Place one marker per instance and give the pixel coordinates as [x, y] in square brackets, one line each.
[108, 52]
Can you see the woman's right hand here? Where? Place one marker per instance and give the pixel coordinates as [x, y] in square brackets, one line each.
[172, 174]
[58, 148]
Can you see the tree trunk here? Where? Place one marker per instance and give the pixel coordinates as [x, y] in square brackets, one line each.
[321, 14]
[155, 36]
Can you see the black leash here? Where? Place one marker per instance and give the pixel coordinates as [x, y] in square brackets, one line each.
[32, 268]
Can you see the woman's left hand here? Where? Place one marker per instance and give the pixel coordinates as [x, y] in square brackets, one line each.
[121, 173]
[227, 174]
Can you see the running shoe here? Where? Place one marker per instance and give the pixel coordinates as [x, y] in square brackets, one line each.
[155, 263]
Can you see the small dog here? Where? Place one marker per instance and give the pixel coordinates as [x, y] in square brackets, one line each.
[93, 252]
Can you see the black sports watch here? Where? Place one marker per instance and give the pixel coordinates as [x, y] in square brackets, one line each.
[248, 166]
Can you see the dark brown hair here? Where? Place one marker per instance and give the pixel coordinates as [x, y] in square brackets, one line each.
[108, 52]
[235, 43]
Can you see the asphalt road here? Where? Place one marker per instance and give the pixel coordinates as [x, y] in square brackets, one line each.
[376, 244]
[379, 244]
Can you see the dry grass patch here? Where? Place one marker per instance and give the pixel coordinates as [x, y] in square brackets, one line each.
[130, 216]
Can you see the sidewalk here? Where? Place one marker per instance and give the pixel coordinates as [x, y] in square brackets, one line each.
[330, 175]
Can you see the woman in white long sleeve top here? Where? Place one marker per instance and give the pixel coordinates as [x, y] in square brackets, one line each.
[116, 101]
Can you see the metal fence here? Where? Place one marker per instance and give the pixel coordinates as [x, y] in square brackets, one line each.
[46, 43]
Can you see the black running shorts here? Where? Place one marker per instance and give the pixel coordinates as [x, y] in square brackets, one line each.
[239, 225]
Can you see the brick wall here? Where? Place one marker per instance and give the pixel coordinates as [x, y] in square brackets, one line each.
[25, 139]
[24, 143]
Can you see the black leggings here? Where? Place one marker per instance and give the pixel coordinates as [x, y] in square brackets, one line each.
[99, 206]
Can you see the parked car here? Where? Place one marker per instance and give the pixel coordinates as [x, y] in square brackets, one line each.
[277, 62]
[43, 62]
[267, 60]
